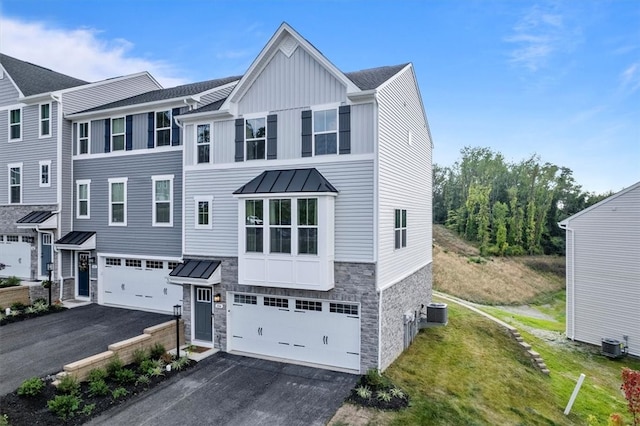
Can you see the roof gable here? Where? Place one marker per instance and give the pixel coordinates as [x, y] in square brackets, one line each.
[31, 79]
[372, 78]
[599, 204]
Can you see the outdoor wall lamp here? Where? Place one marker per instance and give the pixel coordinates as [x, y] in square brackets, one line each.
[217, 298]
[177, 313]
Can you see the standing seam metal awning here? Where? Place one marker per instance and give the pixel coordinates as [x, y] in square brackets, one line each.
[41, 219]
[196, 271]
[77, 240]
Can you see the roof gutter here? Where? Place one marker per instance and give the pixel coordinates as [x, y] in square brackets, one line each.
[142, 106]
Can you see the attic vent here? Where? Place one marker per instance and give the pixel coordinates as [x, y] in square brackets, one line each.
[288, 45]
[611, 348]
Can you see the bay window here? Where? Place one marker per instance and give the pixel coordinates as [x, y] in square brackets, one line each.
[280, 226]
[308, 226]
[254, 225]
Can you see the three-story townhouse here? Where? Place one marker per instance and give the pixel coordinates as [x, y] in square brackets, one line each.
[307, 212]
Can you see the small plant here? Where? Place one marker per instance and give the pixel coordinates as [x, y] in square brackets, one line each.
[18, 307]
[396, 392]
[69, 385]
[46, 284]
[143, 380]
[615, 419]
[180, 363]
[88, 409]
[383, 396]
[156, 371]
[64, 406]
[11, 282]
[375, 379]
[118, 393]
[97, 374]
[631, 388]
[157, 351]
[30, 310]
[166, 358]
[114, 366]
[31, 387]
[4, 420]
[477, 259]
[98, 388]
[40, 305]
[124, 376]
[363, 392]
[140, 355]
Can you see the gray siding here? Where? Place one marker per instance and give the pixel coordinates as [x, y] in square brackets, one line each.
[215, 96]
[353, 208]
[88, 97]
[362, 129]
[404, 179]
[290, 82]
[8, 92]
[139, 236]
[604, 257]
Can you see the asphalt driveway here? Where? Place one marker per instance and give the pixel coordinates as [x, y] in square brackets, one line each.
[227, 389]
[43, 345]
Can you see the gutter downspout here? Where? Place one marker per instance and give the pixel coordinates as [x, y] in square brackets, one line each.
[58, 99]
[183, 137]
[572, 283]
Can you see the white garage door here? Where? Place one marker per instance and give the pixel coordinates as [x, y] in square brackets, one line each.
[138, 283]
[16, 256]
[315, 331]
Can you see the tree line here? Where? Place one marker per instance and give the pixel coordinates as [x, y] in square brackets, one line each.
[508, 208]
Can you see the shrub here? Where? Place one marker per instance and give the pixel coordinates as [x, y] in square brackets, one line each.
[119, 393]
[64, 406]
[396, 393]
[124, 376]
[41, 300]
[97, 374]
[166, 358]
[143, 380]
[383, 396]
[40, 305]
[17, 306]
[376, 380]
[157, 351]
[140, 355]
[88, 409]
[98, 388]
[631, 388]
[114, 366]
[147, 365]
[156, 371]
[31, 387]
[69, 385]
[11, 282]
[363, 392]
[180, 363]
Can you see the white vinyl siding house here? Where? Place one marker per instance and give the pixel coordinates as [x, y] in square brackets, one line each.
[603, 270]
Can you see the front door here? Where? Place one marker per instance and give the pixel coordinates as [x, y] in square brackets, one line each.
[203, 319]
[83, 274]
[45, 253]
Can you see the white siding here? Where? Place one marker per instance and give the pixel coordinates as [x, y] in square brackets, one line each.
[215, 96]
[404, 179]
[606, 258]
[290, 82]
[353, 208]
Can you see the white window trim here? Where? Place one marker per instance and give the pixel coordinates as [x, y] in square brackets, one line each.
[156, 128]
[266, 135]
[123, 134]
[48, 164]
[197, 200]
[41, 119]
[154, 179]
[9, 167]
[78, 150]
[112, 181]
[319, 108]
[198, 145]
[9, 124]
[88, 183]
[401, 228]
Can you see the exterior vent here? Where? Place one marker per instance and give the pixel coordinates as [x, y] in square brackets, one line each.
[611, 348]
[437, 313]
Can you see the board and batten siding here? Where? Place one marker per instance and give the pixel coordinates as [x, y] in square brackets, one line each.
[30, 151]
[606, 266]
[8, 92]
[92, 95]
[290, 82]
[139, 236]
[353, 208]
[404, 178]
[289, 135]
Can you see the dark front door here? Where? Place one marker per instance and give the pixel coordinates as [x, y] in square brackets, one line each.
[203, 319]
[83, 274]
[45, 253]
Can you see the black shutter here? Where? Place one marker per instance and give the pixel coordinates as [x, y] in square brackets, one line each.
[76, 137]
[175, 130]
[150, 131]
[240, 139]
[272, 137]
[344, 127]
[129, 133]
[307, 134]
[107, 135]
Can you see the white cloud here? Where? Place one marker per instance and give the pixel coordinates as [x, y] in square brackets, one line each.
[81, 52]
[630, 77]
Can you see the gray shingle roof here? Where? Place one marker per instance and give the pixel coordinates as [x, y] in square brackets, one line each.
[33, 79]
[282, 181]
[213, 106]
[194, 268]
[170, 93]
[372, 78]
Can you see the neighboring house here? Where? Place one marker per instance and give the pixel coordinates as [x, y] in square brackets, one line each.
[307, 211]
[127, 192]
[603, 271]
[35, 158]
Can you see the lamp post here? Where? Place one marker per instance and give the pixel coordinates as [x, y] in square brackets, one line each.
[49, 270]
[177, 313]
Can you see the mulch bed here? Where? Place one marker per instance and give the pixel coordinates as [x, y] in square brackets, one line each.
[24, 410]
[53, 309]
[377, 384]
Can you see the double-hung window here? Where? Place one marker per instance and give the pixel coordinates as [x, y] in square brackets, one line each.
[325, 131]
[162, 200]
[118, 202]
[163, 128]
[15, 124]
[45, 173]
[307, 226]
[15, 183]
[256, 138]
[117, 134]
[280, 225]
[83, 194]
[203, 143]
[203, 206]
[45, 120]
[400, 229]
[83, 138]
[254, 225]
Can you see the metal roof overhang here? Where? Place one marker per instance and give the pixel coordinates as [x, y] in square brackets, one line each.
[38, 220]
[77, 240]
[196, 272]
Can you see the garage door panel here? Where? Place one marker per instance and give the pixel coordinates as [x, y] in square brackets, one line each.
[17, 258]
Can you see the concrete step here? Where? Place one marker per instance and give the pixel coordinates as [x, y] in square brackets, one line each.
[519, 339]
[525, 346]
[532, 353]
[545, 371]
[542, 366]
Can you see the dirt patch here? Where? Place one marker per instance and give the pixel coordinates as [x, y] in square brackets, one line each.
[354, 415]
[527, 311]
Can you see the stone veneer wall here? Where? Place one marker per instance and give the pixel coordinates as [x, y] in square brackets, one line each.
[354, 282]
[408, 295]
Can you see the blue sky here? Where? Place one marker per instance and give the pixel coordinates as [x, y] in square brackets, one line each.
[560, 79]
